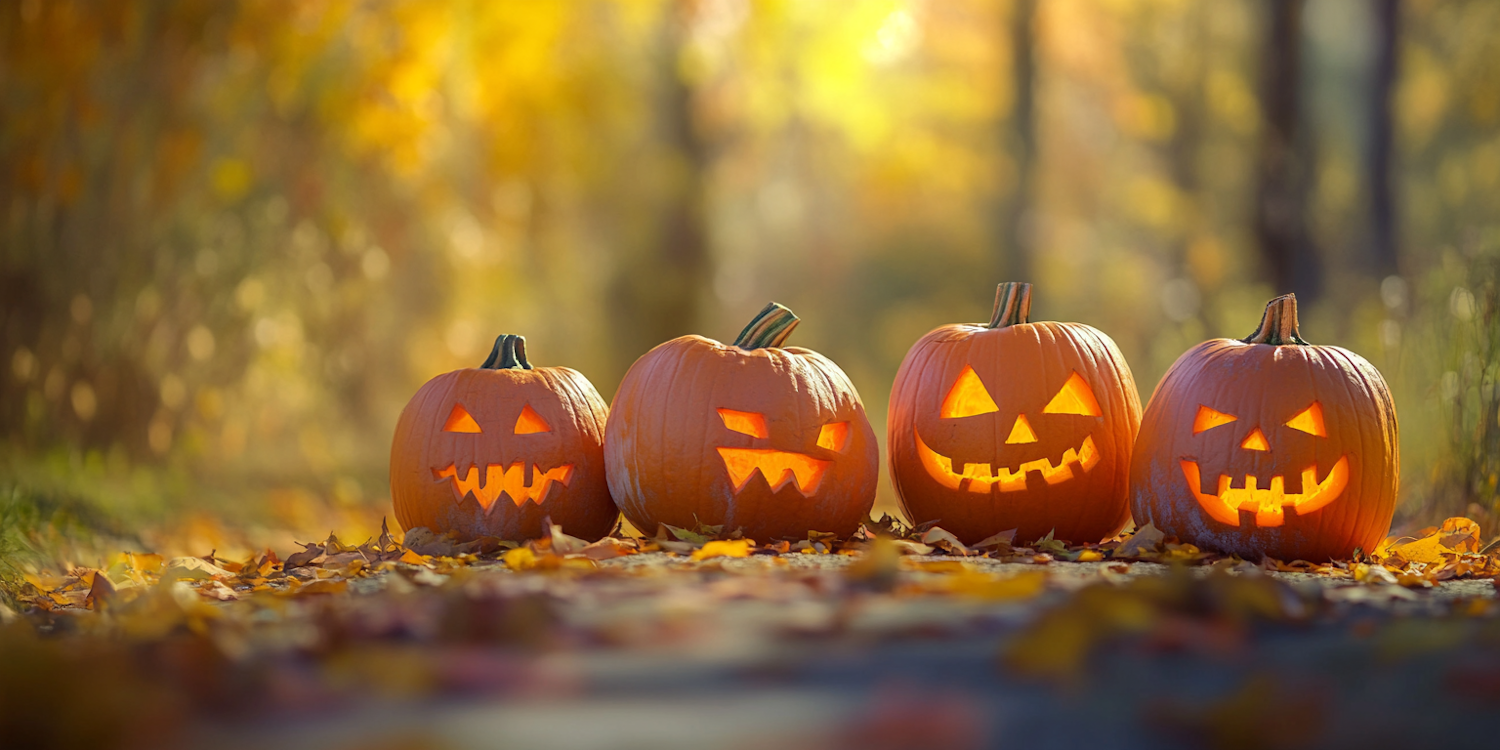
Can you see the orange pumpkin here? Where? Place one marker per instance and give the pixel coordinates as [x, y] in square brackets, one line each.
[495, 450]
[1014, 425]
[1269, 447]
[754, 436]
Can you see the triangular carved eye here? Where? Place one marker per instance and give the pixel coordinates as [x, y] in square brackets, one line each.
[967, 397]
[1309, 420]
[1076, 397]
[530, 422]
[460, 421]
[1207, 419]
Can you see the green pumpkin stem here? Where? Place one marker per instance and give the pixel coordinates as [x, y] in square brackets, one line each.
[509, 354]
[770, 328]
[1012, 304]
[1278, 326]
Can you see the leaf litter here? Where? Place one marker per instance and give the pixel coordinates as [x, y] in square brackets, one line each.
[410, 615]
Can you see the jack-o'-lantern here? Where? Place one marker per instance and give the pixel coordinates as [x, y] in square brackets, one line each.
[1014, 425]
[494, 450]
[755, 436]
[1269, 446]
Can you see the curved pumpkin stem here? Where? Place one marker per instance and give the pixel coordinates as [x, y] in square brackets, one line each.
[1278, 326]
[770, 328]
[1012, 304]
[509, 354]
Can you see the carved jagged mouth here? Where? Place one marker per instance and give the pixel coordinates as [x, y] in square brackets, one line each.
[504, 480]
[1267, 504]
[778, 467]
[982, 479]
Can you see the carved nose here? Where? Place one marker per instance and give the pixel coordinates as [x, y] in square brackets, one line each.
[1021, 432]
[1256, 441]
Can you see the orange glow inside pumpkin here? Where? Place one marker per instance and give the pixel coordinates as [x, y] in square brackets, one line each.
[834, 436]
[506, 480]
[746, 422]
[1267, 504]
[1309, 420]
[460, 421]
[530, 422]
[1208, 418]
[1021, 432]
[968, 397]
[1256, 441]
[778, 467]
[1075, 397]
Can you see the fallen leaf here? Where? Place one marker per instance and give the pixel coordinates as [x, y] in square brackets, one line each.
[945, 540]
[195, 568]
[520, 558]
[609, 548]
[100, 591]
[988, 587]
[734, 548]
[1145, 541]
[330, 586]
[563, 544]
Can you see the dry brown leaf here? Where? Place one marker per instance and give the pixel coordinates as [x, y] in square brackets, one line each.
[1144, 542]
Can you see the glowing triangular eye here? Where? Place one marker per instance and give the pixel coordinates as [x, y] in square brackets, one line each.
[834, 436]
[967, 397]
[1309, 420]
[1208, 419]
[530, 422]
[460, 421]
[1075, 398]
[748, 422]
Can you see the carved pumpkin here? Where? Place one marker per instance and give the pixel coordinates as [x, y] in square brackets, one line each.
[1014, 425]
[1269, 447]
[493, 451]
[753, 436]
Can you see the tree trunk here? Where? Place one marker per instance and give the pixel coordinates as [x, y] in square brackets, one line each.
[657, 291]
[1280, 225]
[1383, 242]
[1013, 256]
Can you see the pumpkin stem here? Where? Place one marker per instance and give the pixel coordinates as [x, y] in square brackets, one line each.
[770, 327]
[1012, 304]
[509, 354]
[1278, 326]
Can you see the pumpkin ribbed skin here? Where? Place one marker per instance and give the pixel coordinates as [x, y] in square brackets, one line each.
[663, 440]
[1022, 365]
[496, 398]
[1264, 386]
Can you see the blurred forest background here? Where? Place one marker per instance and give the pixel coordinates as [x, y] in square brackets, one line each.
[235, 237]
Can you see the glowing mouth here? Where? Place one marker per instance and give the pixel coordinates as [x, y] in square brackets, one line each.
[982, 479]
[1267, 505]
[504, 480]
[778, 467]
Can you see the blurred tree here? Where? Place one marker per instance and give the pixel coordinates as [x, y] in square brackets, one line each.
[1384, 252]
[666, 278]
[1280, 224]
[1018, 136]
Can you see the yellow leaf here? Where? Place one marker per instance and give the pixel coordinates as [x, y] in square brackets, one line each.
[1426, 550]
[999, 588]
[731, 548]
[1090, 555]
[520, 558]
[412, 558]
